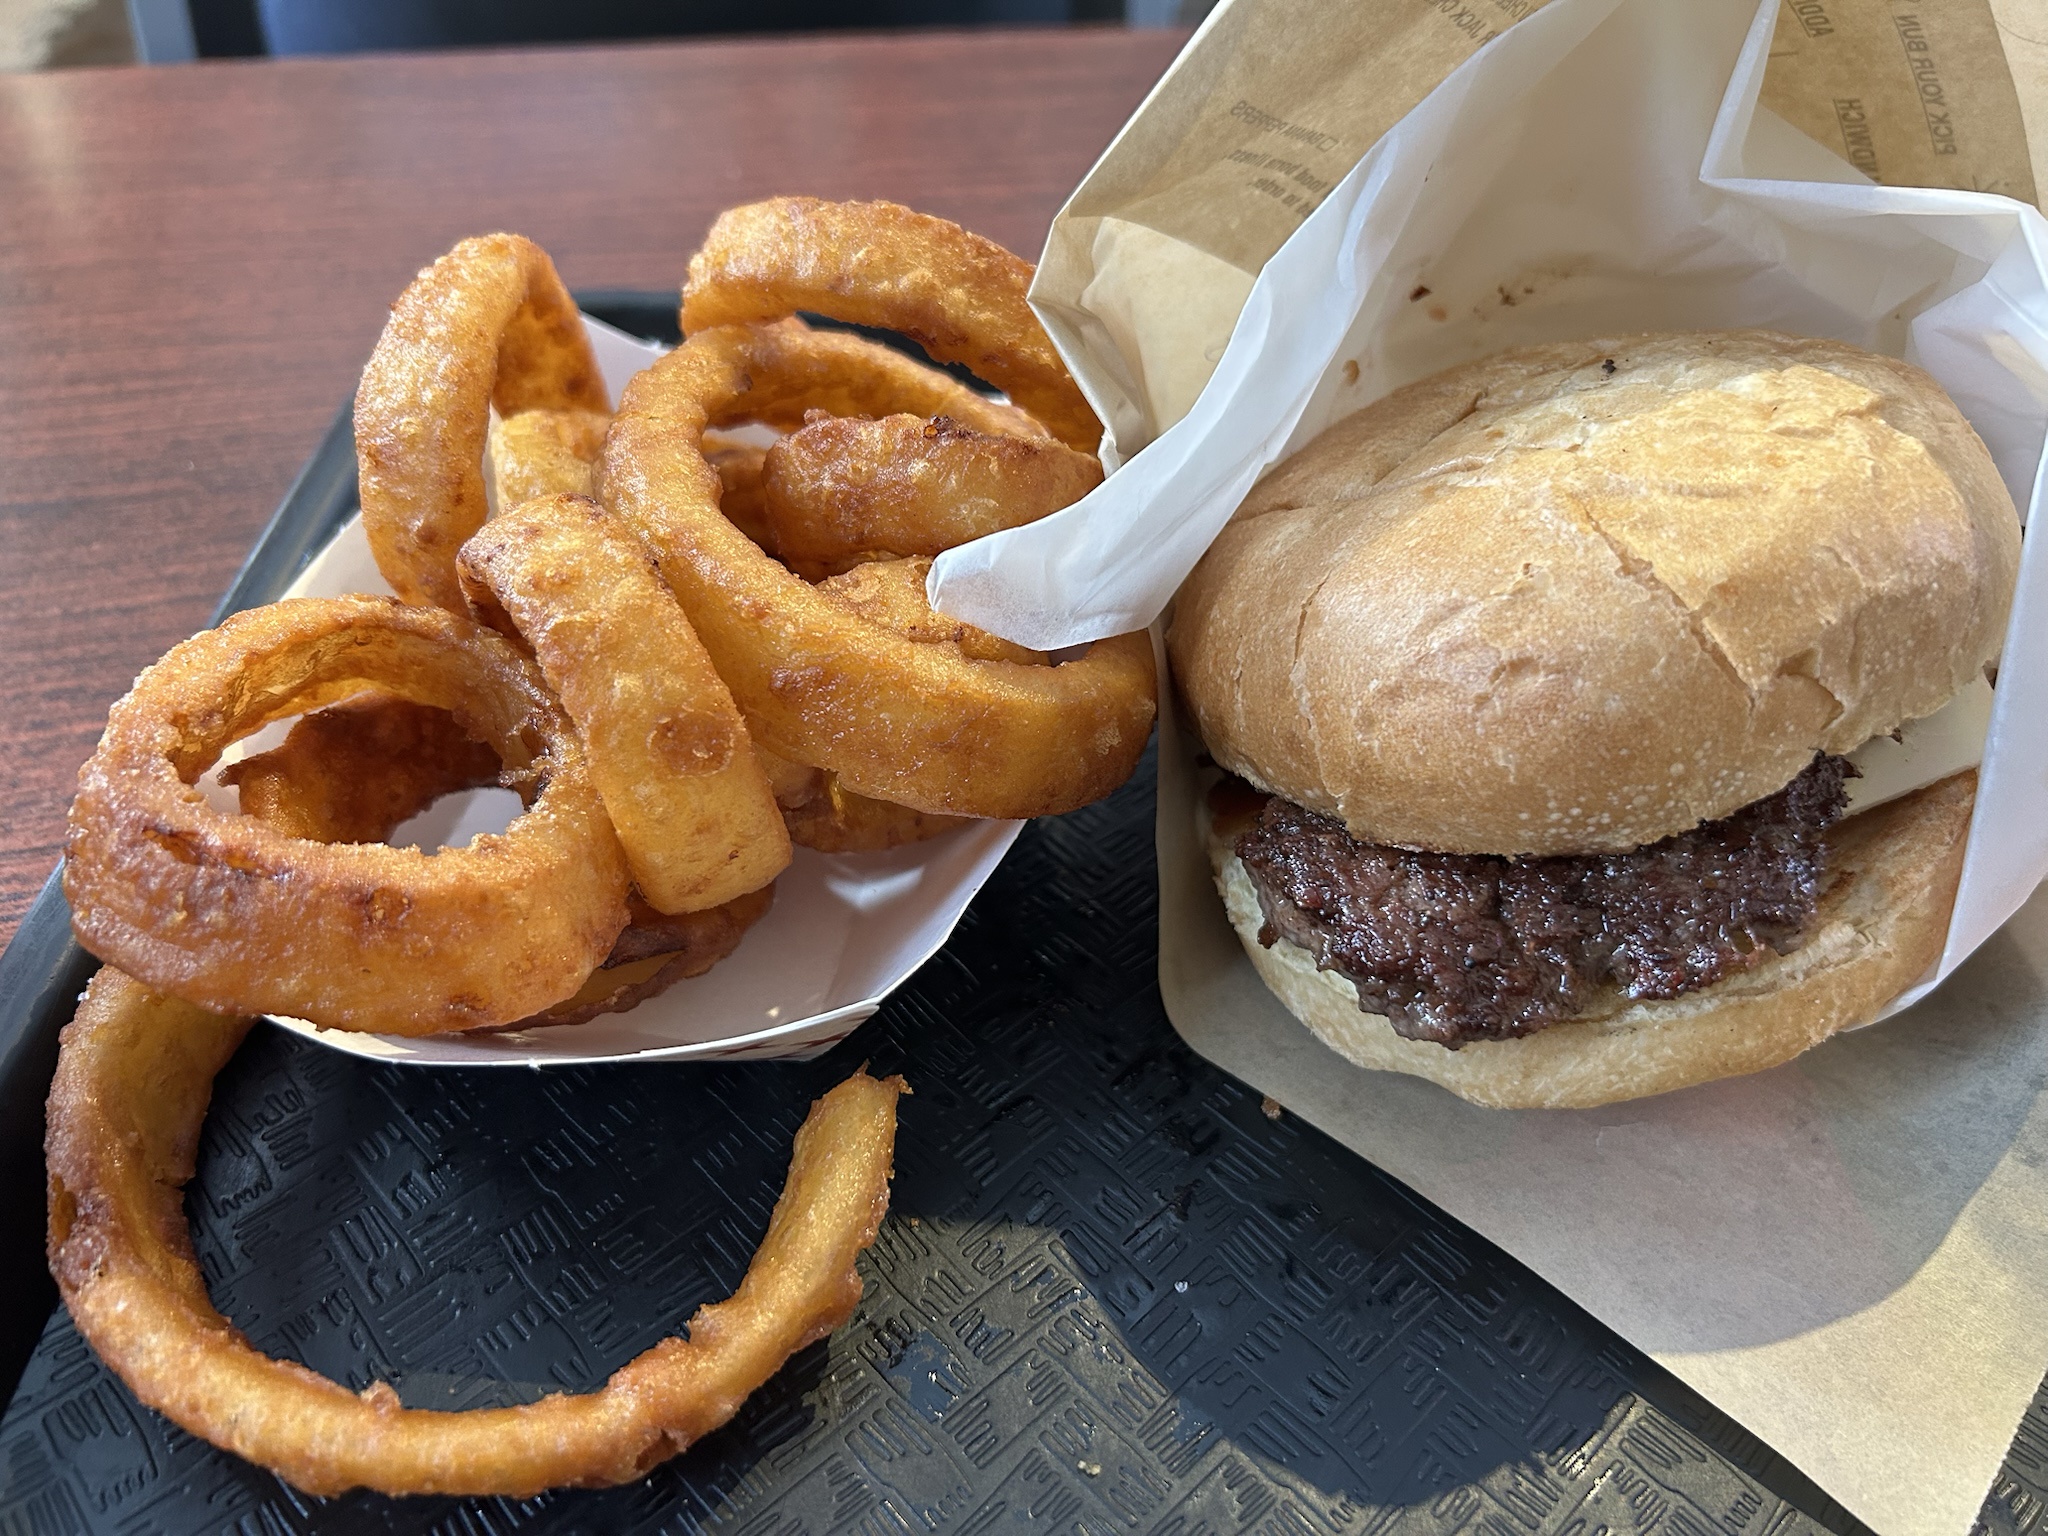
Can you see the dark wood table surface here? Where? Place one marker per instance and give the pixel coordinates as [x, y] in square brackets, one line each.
[194, 262]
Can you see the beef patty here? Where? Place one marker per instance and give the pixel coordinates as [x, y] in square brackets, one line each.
[1457, 947]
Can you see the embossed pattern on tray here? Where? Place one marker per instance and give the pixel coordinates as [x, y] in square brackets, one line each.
[1112, 1293]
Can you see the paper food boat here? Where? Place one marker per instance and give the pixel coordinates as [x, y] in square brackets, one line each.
[845, 930]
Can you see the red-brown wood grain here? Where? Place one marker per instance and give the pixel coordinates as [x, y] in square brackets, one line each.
[194, 262]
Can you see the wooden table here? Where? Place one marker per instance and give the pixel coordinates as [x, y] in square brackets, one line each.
[194, 262]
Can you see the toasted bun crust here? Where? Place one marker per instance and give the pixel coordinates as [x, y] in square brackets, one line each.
[1879, 928]
[1577, 598]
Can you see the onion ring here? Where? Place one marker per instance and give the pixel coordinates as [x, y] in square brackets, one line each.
[666, 745]
[839, 488]
[356, 772]
[653, 935]
[859, 377]
[488, 324]
[846, 375]
[891, 594]
[823, 814]
[233, 915]
[656, 951]
[834, 820]
[919, 724]
[134, 1074]
[740, 495]
[960, 297]
[544, 453]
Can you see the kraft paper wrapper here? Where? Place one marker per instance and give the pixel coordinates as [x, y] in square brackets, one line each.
[1848, 1254]
[1909, 94]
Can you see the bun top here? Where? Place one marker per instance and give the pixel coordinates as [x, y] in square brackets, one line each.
[1579, 597]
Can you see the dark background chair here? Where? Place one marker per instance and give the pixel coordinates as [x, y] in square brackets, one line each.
[171, 30]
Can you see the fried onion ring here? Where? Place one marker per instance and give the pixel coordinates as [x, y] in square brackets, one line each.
[960, 297]
[846, 375]
[656, 951]
[665, 742]
[236, 916]
[488, 324]
[544, 453]
[842, 487]
[740, 497]
[822, 813]
[134, 1074]
[358, 771]
[836, 821]
[891, 594]
[860, 378]
[917, 723]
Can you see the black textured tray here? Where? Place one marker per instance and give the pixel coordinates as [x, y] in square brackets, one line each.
[1112, 1294]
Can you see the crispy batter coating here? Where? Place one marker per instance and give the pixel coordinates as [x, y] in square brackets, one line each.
[741, 499]
[846, 375]
[960, 297]
[488, 324]
[357, 771]
[544, 453]
[665, 742]
[656, 951]
[824, 814]
[234, 915]
[839, 488]
[134, 1074]
[891, 593]
[917, 723]
[835, 820]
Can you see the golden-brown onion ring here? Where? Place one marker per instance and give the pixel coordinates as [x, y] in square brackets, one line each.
[354, 773]
[891, 594]
[822, 813]
[662, 935]
[896, 719]
[836, 821]
[134, 1075]
[656, 951]
[233, 915]
[665, 742]
[739, 466]
[846, 375]
[544, 453]
[960, 297]
[488, 324]
[842, 487]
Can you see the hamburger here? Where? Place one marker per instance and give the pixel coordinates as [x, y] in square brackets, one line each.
[1536, 681]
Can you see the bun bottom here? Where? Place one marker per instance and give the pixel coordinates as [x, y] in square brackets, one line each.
[1880, 926]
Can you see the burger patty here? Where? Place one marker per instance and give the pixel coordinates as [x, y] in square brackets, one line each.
[1457, 947]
